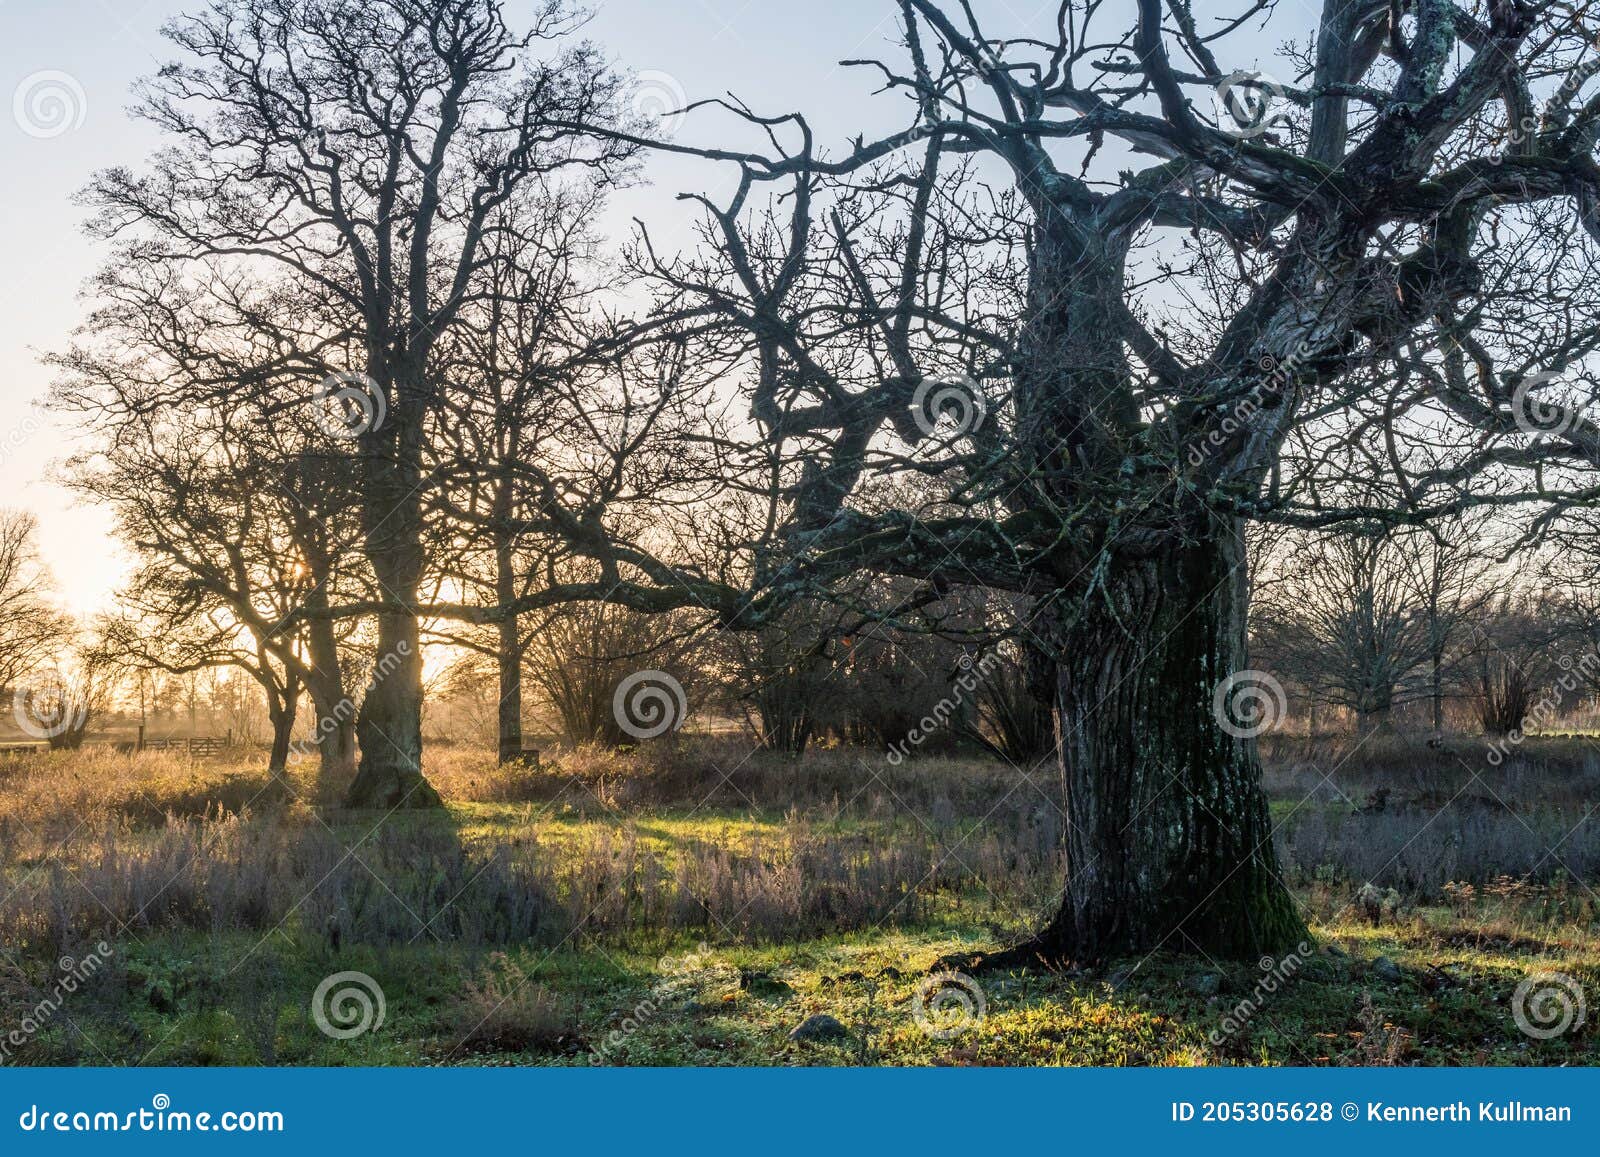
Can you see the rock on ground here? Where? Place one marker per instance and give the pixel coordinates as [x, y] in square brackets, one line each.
[820, 1027]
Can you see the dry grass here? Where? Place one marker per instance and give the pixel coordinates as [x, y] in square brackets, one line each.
[504, 1009]
[159, 845]
[1428, 820]
[725, 772]
[1541, 772]
[97, 842]
[52, 793]
[497, 927]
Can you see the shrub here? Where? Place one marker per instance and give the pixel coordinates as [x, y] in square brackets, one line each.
[505, 1010]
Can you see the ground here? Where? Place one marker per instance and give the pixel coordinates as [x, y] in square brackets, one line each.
[695, 904]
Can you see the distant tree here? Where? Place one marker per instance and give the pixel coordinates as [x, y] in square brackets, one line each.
[1514, 664]
[499, 452]
[32, 630]
[1456, 572]
[1013, 701]
[234, 534]
[583, 657]
[354, 153]
[1350, 619]
[1571, 597]
[785, 679]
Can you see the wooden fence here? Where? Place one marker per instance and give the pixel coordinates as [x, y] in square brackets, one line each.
[190, 745]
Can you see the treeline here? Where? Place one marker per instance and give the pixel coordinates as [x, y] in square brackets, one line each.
[1458, 625]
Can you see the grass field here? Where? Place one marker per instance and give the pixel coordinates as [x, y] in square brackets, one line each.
[695, 904]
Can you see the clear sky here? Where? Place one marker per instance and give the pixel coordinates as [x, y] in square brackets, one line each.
[778, 55]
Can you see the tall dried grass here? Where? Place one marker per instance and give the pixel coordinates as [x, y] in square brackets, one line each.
[158, 845]
[100, 844]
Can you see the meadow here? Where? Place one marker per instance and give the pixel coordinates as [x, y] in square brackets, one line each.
[696, 902]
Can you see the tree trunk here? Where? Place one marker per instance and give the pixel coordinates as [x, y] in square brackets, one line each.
[1169, 843]
[1168, 840]
[336, 751]
[389, 726]
[282, 707]
[282, 714]
[509, 719]
[1438, 694]
[335, 731]
[508, 652]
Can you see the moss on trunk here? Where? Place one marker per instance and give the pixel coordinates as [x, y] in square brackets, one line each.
[1169, 841]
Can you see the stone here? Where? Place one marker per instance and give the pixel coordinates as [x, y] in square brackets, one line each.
[1385, 969]
[820, 1028]
[763, 984]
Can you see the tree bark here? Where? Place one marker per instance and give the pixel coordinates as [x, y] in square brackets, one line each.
[1169, 843]
[282, 707]
[1438, 693]
[389, 725]
[335, 730]
[336, 751]
[1168, 839]
[508, 651]
[282, 717]
[509, 718]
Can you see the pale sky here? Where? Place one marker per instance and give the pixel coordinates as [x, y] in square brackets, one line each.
[778, 55]
[93, 50]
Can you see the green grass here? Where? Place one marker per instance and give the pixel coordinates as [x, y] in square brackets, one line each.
[188, 999]
[191, 996]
